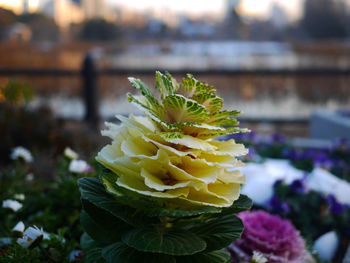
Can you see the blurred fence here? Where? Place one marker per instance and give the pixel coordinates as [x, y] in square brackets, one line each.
[90, 74]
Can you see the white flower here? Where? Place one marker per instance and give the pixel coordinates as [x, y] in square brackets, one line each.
[70, 154]
[261, 178]
[326, 245]
[21, 153]
[324, 182]
[20, 196]
[30, 177]
[31, 237]
[78, 166]
[12, 204]
[19, 227]
[74, 255]
[258, 258]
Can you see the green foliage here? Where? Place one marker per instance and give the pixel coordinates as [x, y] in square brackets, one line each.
[53, 204]
[125, 228]
[16, 92]
[310, 212]
[50, 251]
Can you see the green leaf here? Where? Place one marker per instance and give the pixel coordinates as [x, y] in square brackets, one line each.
[219, 256]
[206, 134]
[164, 84]
[121, 253]
[111, 225]
[190, 86]
[219, 232]
[211, 102]
[153, 102]
[93, 190]
[166, 241]
[243, 203]
[87, 243]
[180, 109]
[221, 117]
[202, 87]
[94, 256]
[96, 231]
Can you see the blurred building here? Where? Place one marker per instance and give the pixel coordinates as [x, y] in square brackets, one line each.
[25, 6]
[94, 9]
[64, 12]
[278, 16]
[18, 32]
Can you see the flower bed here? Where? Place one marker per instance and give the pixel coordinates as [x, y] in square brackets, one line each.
[302, 193]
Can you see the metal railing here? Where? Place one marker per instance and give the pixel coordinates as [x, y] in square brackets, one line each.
[90, 74]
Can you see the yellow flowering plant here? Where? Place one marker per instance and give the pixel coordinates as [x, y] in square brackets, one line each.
[169, 192]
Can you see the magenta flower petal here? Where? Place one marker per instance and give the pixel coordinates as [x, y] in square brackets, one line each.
[275, 238]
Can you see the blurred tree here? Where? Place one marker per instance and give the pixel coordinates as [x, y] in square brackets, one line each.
[99, 29]
[7, 17]
[43, 28]
[325, 19]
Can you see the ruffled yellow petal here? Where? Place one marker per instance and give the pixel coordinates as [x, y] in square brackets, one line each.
[138, 186]
[186, 169]
[229, 147]
[161, 183]
[138, 147]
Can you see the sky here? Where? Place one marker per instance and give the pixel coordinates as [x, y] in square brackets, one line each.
[253, 8]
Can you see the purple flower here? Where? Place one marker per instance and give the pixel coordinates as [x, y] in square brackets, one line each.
[275, 238]
[277, 206]
[335, 207]
[298, 186]
[277, 138]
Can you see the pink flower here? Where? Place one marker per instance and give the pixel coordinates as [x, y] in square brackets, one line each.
[275, 238]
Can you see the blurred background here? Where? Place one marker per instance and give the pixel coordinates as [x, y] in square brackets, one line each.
[277, 61]
[285, 63]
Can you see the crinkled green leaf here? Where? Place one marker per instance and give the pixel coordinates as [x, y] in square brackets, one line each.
[121, 253]
[164, 84]
[190, 86]
[166, 241]
[180, 109]
[218, 117]
[210, 101]
[145, 106]
[202, 87]
[219, 256]
[153, 103]
[219, 232]
[207, 134]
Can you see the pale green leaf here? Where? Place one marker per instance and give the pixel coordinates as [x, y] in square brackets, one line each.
[180, 109]
[224, 118]
[164, 84]
[210, 101]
